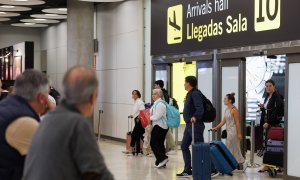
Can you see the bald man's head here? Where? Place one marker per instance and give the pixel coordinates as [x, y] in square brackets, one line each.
[79, 84]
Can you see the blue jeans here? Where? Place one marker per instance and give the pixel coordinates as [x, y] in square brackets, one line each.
[187, 141]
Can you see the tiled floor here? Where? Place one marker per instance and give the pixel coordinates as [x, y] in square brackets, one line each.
[141, 168]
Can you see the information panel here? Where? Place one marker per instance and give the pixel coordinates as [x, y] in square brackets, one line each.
[179, 26]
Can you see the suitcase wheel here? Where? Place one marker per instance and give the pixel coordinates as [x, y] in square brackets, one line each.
[272, 172]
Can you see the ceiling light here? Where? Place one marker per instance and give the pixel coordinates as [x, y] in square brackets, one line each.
[22, 2]
[8, 14]
[48, 16]
[29, 24]
[102, 0]
[8, 6]
[40, 19]
[51, 14]
[63, 9]
[4, 19]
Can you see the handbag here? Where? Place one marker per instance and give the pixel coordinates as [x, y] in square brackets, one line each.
[145, 117]
[224, 134]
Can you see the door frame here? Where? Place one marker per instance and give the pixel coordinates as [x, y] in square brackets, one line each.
[291, 58]
[241, 64]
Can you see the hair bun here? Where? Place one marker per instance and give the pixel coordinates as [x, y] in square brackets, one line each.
[233, 94]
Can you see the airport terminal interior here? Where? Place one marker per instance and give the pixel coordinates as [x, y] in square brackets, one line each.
[229, 46]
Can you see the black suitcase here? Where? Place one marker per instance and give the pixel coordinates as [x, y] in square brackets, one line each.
[273, 158]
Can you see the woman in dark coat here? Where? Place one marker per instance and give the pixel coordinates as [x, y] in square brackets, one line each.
[272, 109]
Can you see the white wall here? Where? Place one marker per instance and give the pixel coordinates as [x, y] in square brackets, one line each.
[148, 86]
[119, 63]
[13, 35]
[54, 42]
[293, 157]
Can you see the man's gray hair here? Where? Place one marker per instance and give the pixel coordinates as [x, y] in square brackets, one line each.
[159, 92]
[30, 83]
[79, 90]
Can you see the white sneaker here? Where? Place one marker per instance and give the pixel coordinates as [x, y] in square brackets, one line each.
[164, 162]
[150, 155]
[214, 174]
[245, 165]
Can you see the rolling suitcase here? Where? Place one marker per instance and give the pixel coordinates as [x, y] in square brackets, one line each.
[276, 133]
[201, 161]
[128, 134]
[273, 159]
[222, 158]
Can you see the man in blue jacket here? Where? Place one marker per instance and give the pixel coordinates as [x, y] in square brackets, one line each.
[192, 113]
[29, 99]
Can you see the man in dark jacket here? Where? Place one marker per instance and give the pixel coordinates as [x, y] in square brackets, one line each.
[192, 113]
[64, 146]
[29, 99]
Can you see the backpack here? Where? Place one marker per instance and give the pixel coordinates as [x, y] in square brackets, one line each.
[209, 114]
[173, 115]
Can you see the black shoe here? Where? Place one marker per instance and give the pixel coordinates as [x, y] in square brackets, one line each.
[185, 174]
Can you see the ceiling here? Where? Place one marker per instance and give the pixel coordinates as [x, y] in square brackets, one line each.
[35, 9]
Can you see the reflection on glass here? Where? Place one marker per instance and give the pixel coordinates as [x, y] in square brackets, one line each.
[258, 70]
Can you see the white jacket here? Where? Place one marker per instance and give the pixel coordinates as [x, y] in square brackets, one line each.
[158, 114]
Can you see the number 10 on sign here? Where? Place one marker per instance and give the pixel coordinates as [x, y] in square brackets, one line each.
[267, 15]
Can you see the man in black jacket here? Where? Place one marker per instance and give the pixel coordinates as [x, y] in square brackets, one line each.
[29, 99]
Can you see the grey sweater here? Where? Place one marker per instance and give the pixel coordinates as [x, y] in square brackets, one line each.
[64, 147]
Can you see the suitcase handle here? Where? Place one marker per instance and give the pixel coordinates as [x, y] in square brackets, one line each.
[129, 117]
[193, 134]
[209, 134]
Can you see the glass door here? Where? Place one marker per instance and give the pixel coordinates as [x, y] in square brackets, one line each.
[162, 72]
[205, 84]
[233, 81]
[179, 72]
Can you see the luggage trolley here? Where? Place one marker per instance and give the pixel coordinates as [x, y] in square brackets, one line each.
[274, 152]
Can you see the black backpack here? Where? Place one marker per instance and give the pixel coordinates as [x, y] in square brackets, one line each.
[209, 114]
